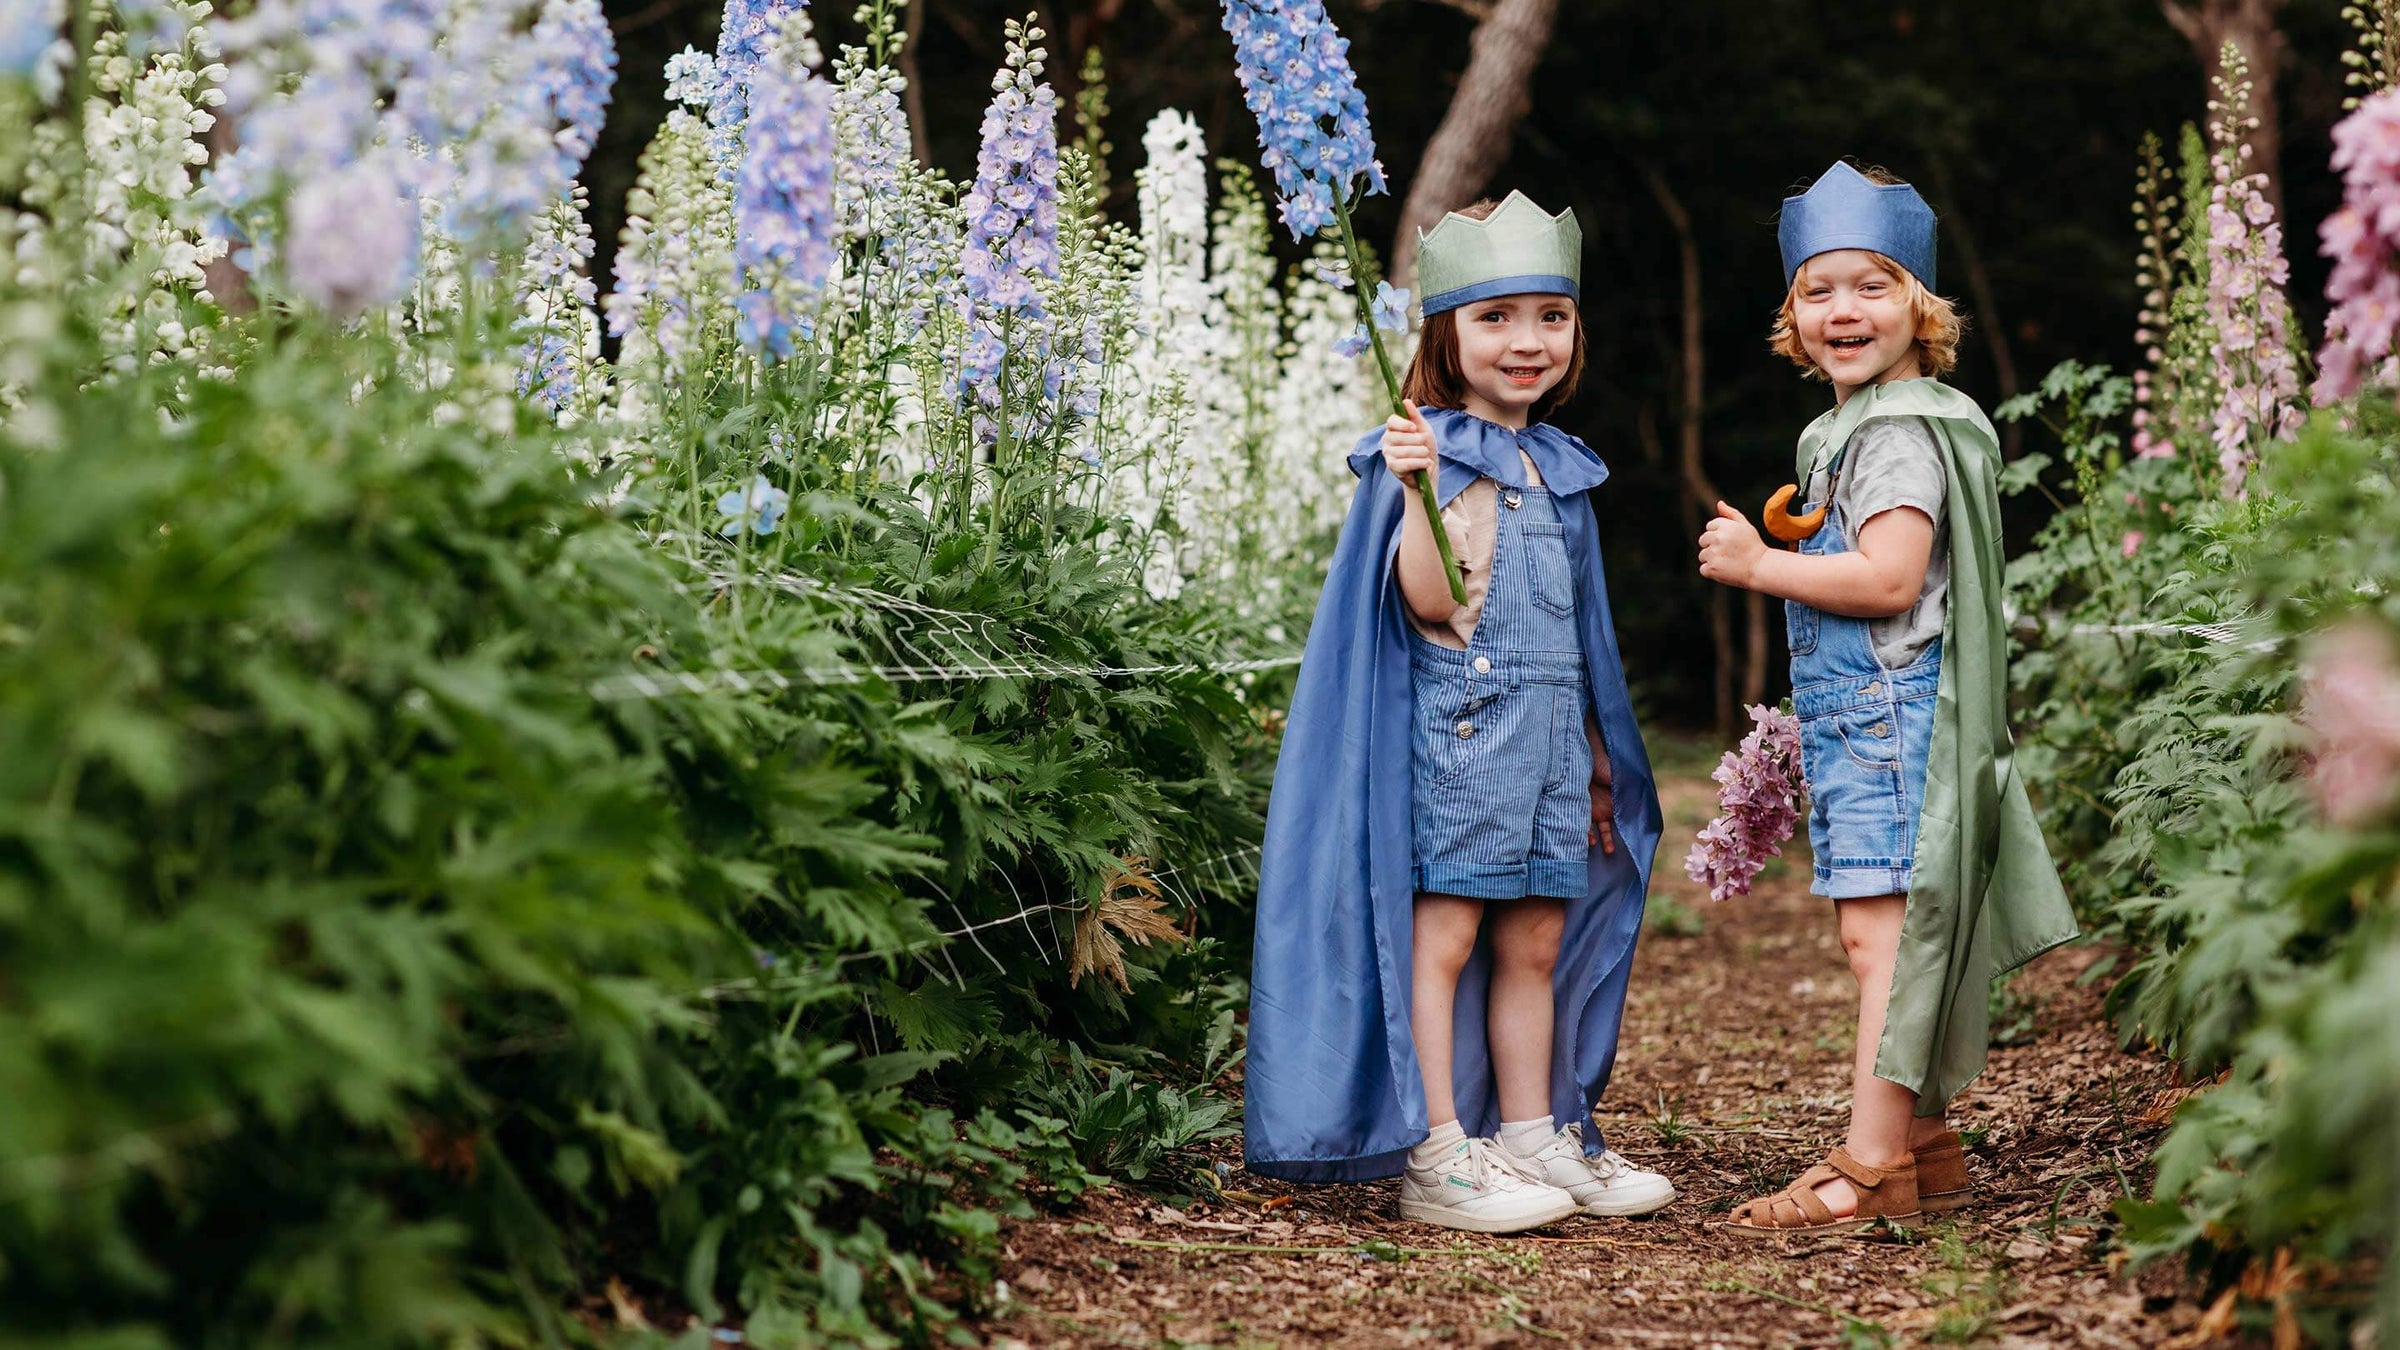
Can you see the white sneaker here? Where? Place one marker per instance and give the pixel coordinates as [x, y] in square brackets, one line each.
[1607, 1185]
[1481, 1189]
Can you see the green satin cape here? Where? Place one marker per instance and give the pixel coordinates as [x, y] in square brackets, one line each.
[1984, 896]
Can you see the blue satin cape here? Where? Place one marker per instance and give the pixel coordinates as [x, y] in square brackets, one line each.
[1332, 1089]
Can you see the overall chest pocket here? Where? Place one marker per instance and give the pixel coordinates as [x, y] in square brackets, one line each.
[1549, 576]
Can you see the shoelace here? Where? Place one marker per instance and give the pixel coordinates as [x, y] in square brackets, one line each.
[1486, 1163]
[1608, 1166]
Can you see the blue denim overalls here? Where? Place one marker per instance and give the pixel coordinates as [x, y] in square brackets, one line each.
[1865, 733]
[1503, 772]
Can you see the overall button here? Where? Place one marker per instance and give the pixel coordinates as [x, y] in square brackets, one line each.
[1512, 500]
[1464, 730]
[1873, 689]
[1880, 729]
[1483, 665]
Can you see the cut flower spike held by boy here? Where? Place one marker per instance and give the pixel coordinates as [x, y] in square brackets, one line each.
[1923, 836]
[1459, 842]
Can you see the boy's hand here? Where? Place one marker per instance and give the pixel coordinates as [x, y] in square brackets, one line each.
[1730, 549]
[1408, 444]
[1603, 834]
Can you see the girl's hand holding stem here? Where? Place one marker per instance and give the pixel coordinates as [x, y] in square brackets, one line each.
[1410, 450]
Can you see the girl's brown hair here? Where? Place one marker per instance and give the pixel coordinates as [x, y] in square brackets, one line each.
[1938, 321]
[1435, 378]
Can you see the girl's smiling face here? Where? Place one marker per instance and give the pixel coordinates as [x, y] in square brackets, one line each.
[1512, 351]
[1855, 320]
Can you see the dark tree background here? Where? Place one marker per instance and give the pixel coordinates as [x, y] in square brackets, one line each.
[1674, 130]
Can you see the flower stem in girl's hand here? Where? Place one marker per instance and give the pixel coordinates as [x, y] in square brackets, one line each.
[1758, 804]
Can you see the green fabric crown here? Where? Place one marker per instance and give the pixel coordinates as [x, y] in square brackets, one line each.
[1519, 249]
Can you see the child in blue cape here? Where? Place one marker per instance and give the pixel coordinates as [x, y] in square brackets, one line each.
[1459, 842]
[1918, 819]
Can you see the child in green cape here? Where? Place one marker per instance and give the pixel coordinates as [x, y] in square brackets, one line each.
[1922, 833]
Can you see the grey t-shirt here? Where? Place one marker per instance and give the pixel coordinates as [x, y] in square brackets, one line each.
[1894, 462]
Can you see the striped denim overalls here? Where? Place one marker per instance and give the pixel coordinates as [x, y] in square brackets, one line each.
[1502, 804]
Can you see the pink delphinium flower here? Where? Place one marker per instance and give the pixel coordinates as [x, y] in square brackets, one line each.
[2350, 701]
[1758, 804]
[2363, 239]
[2133, 542]
[2258, 377]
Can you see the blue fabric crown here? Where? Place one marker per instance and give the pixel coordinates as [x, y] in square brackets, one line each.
[1845, 209]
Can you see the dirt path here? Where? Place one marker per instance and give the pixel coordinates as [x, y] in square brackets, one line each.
[1731, 1080]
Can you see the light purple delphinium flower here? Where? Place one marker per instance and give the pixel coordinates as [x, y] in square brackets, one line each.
[1758, 804]
[1012, 238]
[1312, 120]
[783, 196]
[1391, 307]
[352, 239]
[2363, 239]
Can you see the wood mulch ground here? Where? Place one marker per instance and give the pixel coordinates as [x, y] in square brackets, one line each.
[1732, 1079]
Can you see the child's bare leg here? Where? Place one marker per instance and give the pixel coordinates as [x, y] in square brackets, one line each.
[1444, 928]
[1882, 1113]
[1525, 936]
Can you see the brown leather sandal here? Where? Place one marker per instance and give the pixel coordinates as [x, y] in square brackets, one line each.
[1885, 1194]
[1942, 1181]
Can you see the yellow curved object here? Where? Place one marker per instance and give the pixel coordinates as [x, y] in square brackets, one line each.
[1783, 524]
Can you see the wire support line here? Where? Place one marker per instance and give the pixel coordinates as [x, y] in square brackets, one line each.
[2214, 634]
[640, 685]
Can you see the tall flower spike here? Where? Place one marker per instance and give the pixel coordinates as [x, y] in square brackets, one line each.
[2363, 239]
[1012, 236]
[1312, 120]
[783, 198]
[741, 45]
[2258, 376]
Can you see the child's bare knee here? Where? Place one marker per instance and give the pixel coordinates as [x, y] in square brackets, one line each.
[1445, 935]
[1526, 940]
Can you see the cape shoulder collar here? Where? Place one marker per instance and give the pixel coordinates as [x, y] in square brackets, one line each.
[1473, 448]
[1927, 398]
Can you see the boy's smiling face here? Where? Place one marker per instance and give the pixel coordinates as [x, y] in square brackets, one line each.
[1512, 351]
[1855, 319]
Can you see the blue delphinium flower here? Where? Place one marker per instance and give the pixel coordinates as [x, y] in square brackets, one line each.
[578, 70]
[741, 45]
[1352, 344]
[758, 508]
[1312, 120]
[783, 248]
[546, 371]
[1391, 307]
[1012, 234]
[27, 28]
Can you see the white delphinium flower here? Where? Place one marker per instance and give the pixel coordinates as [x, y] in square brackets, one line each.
[1151, 478]
[1245, 314]
[144, 221]
[1323, 403]
[674, 262]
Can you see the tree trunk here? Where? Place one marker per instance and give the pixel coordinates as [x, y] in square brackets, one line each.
[1987, 305]
[1700, 494]
[1473, 139]
[912, 94]
[2250, 25]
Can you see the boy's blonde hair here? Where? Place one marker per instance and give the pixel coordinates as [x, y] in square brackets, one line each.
[1938, 321]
